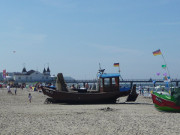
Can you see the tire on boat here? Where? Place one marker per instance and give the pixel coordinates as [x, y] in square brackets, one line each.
[48, 101]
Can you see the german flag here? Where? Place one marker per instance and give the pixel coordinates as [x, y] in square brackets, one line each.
[116, 64]
[157, 52]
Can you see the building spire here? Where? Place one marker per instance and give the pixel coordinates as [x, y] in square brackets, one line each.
[44, 71]
[48, 70]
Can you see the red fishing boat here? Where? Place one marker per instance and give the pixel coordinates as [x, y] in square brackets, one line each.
[163, 100]
[167, 102]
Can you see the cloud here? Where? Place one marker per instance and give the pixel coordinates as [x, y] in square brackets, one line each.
[115, 49]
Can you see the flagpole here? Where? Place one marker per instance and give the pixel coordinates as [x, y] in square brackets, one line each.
[158, 52]
[119, 69]
[165, 64]
[167, 71]
[120, 74]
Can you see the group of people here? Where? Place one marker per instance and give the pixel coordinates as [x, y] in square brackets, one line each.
[141, 90]
[15, 92]
[86, 86]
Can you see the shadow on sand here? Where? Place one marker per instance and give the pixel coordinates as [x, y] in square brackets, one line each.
[130, 103]
[50, 101]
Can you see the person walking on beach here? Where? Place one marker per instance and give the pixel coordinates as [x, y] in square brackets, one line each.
[140, 89]
[22, 87]
[30, 97]
[15, 90]
[148, 90]
[9, 89]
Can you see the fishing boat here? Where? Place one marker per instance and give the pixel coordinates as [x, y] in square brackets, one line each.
[168, 99]
[164, 101]
[108, 90]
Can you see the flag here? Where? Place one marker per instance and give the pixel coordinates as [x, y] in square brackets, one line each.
[4, 73]
[166, 79]
[116, 64]
[157, 52]
[165, 74]
[164, 66]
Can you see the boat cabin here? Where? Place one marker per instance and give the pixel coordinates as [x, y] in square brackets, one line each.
[108, 82]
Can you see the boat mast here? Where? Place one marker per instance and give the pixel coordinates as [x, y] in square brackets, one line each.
[166, 65]
[101, 71]
[158, 52]
[120, 77]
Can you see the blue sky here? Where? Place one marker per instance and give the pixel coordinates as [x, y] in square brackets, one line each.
[74, 36]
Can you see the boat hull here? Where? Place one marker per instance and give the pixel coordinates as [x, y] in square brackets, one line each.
[164, 104]
[86, 97]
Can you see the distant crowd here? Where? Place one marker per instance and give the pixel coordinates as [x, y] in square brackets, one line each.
[142, 89]
[85, 86]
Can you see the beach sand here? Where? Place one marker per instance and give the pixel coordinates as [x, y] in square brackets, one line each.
[19, 117]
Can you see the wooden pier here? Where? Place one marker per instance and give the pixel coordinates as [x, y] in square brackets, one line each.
[130, 81]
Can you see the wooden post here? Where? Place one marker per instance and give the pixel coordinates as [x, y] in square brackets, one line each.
[131, 84]
[84, 83]
[177, 83]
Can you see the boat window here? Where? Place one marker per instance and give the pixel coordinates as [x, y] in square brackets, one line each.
[113, 81]
[106, 81]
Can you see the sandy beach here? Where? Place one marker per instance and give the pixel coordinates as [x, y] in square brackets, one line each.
[19, 117]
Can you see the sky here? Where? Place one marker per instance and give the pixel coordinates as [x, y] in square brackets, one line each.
[73, 36]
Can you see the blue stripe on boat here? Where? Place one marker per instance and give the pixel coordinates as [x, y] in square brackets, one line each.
[109, 75]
